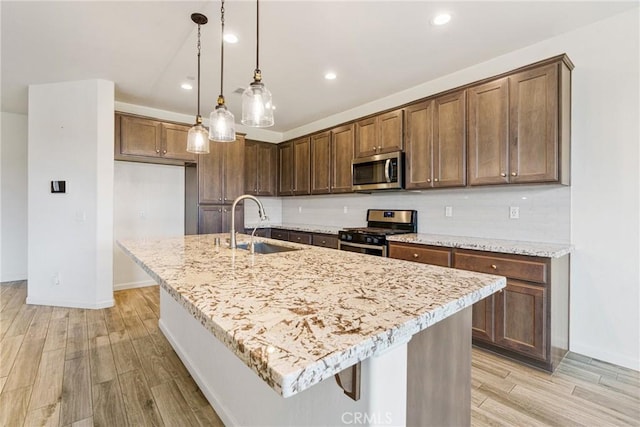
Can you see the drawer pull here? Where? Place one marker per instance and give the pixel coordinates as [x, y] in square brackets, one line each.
[416, 256]
[503, 174]
[324, 242]
[495, 267]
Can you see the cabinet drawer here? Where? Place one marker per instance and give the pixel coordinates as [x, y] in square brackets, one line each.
[325, 241]
[304, 238]
[279, 234]
[516, 267]
[423, 254]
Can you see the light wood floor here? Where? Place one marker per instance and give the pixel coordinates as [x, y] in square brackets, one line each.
[113, 367]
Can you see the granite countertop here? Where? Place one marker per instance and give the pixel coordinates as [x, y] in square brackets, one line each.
[309, 228]
[547, 250]
[296, 318]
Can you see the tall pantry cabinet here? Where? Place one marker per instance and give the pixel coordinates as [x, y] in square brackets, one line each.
[212, 186]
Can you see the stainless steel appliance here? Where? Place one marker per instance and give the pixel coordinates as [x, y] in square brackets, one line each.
[379, 172]
[372, 239]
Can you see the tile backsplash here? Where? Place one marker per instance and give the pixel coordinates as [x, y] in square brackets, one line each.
[544, 211]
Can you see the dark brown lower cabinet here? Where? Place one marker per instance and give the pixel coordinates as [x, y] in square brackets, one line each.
[517, 320]
[482, 319]
[217, 219]
[520, 319]
[315, 239]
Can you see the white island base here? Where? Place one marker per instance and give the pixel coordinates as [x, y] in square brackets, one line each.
[424, 382]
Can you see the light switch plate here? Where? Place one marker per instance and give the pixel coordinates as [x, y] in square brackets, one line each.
[448, 211]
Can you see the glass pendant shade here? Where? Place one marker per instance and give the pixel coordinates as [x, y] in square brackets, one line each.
[257, 107]
[222, 127]
[198, 139]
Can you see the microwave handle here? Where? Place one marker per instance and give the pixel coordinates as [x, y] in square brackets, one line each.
[387, 172]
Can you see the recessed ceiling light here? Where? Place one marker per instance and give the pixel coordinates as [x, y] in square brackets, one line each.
[230, 38]
[186, 86]
[441, 19]
[330, 76]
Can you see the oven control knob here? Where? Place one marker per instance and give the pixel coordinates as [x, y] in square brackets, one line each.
[375, 240]
[349, 237]
[368, 239]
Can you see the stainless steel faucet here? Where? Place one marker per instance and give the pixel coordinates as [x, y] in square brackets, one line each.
[232, 232]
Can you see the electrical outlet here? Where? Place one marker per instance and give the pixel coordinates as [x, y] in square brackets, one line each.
[448, 211]
[345, 209]
[514, 212]
[299, 209]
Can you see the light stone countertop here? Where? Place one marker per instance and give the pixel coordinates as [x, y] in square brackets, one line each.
[296, 318]
[309, 228]
[547, 250]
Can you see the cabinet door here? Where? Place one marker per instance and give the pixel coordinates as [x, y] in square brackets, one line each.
[321, 163]
[251, 167]
[140, 137]
[301, 169]
[520, 319]
[342, 140]
[482, 324]
[533, 145]
[390, 131]
[366, 137]
[210, 220]
[488, 133]
[419, 145]
[449, 141]
[226, 218]
[210, 174]
[285, 169]
[267, 165]
[174, 142]
[233, 169]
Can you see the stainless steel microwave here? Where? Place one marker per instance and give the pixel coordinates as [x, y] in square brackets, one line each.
[379, 172]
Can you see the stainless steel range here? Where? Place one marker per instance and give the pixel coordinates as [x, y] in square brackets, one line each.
[372, 239]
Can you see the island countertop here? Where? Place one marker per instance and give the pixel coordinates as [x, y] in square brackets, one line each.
[298, 317]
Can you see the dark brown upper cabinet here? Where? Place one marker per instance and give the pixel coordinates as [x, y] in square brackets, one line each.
[294, 167]
[379, 134]
[142, 139]
[260, 160]
[519, 126]
[435, 142]
[221, 172]
[331, 157]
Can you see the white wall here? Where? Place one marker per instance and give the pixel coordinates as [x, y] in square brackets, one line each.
[148, 202]
[70, 236]
[605, 191]
[13, 233]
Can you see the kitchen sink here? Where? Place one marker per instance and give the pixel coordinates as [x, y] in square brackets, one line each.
[266, 248]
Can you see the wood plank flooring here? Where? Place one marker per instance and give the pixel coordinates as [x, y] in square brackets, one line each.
[113, 367]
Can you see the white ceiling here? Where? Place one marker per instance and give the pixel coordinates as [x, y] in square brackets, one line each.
[377, 48]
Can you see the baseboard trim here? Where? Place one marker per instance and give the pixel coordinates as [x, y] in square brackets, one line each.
[69, 303]
[133, 285]
[605, 356]
[13, 277]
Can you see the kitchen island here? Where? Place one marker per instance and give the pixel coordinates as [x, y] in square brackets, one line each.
[263, 334]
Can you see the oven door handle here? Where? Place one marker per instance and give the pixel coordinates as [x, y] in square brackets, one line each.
[387, 171]
[382, 248]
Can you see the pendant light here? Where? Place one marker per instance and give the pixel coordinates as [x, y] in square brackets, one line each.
[222, 127]
[198, 137]
[257, 108]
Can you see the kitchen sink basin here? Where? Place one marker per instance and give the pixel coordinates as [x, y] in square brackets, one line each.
[266, 248]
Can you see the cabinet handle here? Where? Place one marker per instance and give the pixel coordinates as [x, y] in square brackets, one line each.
[379, 147]
[514, 173]
[299, 239]
[495, 267]
[158, 151]
[428, 179]
[416, 256]
[164, 151]
[501, 290]
[436, 180]
[324, 242]
[503, 174]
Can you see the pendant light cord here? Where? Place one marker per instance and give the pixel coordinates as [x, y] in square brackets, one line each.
[198, 70]
[221, 97]
[257, 35]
